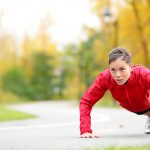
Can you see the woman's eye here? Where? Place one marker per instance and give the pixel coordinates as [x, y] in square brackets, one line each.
[112, 70]
[122, 69]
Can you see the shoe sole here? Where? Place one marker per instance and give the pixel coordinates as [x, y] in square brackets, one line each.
[147, 132]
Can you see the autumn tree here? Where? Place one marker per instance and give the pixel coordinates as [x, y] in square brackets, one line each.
[129, 26]
[40, 61]
[41, 42]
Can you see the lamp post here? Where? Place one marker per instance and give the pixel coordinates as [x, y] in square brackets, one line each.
[111, 21]
[110, 18]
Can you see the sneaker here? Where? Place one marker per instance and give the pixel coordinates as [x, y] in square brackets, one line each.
[147, 126]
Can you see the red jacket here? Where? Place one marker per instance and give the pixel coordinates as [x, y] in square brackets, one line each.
[133, 96]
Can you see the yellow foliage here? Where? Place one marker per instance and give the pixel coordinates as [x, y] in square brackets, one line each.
[133, 28]
[8, 53]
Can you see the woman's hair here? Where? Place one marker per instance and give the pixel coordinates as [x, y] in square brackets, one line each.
[121, 53]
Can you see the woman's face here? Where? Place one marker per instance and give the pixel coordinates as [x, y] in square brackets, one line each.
[120, 71]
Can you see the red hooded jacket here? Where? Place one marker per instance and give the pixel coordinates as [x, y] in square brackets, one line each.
[133, 96]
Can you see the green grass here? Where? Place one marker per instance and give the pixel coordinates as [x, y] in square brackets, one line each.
[7, 114]
[145, 147]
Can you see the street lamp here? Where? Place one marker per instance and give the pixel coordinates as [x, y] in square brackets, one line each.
[110, 18]
[107, 15]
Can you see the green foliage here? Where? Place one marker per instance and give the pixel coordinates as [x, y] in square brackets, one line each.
[40, 86]
[67, 71]
[14, 81]
[87, 62]
[43, 77]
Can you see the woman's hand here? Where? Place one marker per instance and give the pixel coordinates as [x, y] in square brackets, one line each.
[88, 135]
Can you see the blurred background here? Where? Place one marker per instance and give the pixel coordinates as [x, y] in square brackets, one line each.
[53, 50]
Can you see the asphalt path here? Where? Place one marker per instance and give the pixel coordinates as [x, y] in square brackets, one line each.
[57, 128]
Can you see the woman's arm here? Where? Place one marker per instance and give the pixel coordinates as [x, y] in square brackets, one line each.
[148, 80]
[146, 75]
[91, 96]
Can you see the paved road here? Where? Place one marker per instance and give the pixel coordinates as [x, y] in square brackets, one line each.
[57, 128]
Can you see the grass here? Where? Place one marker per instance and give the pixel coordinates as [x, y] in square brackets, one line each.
[7, 114]
[144, 147]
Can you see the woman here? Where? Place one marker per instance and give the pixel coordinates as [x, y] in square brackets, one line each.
[124, 81]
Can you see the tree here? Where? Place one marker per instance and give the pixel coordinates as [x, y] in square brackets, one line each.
[68, 79]
[14, 81]
[43, 77]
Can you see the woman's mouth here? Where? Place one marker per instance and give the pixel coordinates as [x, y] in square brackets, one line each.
[119, 81]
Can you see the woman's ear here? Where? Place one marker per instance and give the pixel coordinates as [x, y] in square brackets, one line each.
[131, 64]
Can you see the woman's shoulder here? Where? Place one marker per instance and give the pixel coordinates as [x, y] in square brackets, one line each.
[105, 72]
[104, 75]
[140, 69]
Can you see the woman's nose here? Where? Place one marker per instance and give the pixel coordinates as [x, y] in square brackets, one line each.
[117, 74]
